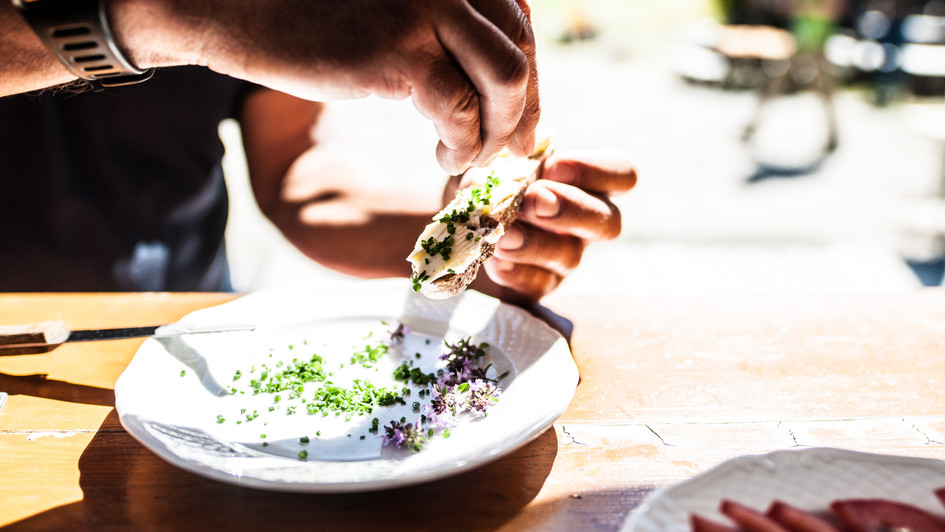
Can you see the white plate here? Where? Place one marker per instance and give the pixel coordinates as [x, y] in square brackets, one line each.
[808, 479]
[174, 414]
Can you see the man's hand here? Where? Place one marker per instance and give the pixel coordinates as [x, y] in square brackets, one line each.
[564, 211]
[468, 65]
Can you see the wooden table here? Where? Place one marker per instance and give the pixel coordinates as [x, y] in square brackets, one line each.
[670, 387]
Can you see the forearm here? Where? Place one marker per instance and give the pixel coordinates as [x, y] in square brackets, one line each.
[373, 248]
[343, 213]
[25, 63]
[152, 33]
[357, 228]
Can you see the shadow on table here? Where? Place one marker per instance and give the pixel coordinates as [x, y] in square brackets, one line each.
[38, 385]
[126, 486]
[591, 510]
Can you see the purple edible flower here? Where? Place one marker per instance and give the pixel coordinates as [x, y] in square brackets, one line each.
[397, 331]
[462, 386]
[482, 394]
[403, 435]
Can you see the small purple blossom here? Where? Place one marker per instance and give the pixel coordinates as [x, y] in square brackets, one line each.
[404, 435]
[462, 386]
[444, 401]
[471, 396]
[482, 394]
[397, 330]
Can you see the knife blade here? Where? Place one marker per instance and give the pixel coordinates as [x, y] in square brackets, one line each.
[45, 336]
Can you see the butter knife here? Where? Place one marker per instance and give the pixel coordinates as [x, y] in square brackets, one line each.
[46, 336]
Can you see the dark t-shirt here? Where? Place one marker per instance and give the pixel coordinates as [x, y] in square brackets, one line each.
[120, 189]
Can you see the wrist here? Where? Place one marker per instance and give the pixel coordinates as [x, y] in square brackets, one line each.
[157, 33]
[27, 64]
[78, 33]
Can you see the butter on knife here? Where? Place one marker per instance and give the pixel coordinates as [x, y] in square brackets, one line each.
[46, 336]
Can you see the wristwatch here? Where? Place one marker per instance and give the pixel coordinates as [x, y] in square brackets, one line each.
[78, 34]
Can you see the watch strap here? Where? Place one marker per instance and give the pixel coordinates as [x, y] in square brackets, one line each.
[78, 34]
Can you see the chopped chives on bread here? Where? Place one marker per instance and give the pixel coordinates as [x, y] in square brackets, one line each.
[463, 235]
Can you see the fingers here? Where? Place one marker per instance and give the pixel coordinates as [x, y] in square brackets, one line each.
[446, 97]
[601, 171]
[568, 210]
[518, 28]
[524, 282]
[527, 244]
[523, 141]
[484, 41]
[562, 213]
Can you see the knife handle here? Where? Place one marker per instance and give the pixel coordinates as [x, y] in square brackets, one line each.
[33, 338]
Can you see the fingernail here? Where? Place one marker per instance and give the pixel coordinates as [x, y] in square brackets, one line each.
[513, 239]
[561, 172]
[547, 204]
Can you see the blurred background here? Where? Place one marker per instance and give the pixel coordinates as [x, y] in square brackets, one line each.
[782, 145]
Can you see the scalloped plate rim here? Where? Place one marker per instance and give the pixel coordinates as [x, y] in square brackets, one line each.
[641, 518]
[557, 354]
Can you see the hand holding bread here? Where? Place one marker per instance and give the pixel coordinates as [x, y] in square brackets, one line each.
[567, 208]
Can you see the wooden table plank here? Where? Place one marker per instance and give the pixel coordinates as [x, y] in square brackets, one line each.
[708, 359]
[45, 465]
[671, 386]
[60, 401]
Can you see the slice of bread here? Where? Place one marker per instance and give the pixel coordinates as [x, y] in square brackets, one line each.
[463, 235]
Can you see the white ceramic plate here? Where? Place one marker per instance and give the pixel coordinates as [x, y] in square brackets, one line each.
[808, 479]
[172, 393]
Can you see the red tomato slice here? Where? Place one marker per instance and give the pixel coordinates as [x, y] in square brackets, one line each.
[940, 493]
[701, 524]
[866, 515]
[798, 520]
[749, 518]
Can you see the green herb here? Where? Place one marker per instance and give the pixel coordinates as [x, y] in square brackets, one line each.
[419, 278]
[404, 372]
[434, 247]
[362, 398]
[369, 356]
